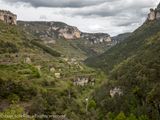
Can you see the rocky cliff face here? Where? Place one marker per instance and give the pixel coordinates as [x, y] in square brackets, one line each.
[69, 33]
[56, 30]
[52, 30]
[96, 38]
[119, 38]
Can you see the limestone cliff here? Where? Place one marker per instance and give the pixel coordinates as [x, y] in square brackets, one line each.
[52, 30]
[96, 38]
[154, 14]
[56, 30]
[69, 33]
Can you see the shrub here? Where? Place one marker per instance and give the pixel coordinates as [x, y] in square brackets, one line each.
[7, 47]
[13, 98]
[92, 104]
[23, 90]
[46, 49]
[15, 112]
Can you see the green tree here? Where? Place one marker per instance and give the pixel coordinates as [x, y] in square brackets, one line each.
[143, 117]
[39, 105]
[110, 116]
[131, 117]
[92, 104]
[13, 98]
[120, 116]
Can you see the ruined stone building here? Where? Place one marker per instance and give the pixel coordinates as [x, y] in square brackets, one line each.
[8, 17]
[83, 81]
[115, 91]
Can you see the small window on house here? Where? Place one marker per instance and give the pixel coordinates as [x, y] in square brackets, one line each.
[10, 18]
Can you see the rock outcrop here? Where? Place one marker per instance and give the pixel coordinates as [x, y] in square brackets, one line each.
[69, 32]
[52, 30]
[8, 17]
[119, 38]
[56, 30]
[154, 14]
[96, 38]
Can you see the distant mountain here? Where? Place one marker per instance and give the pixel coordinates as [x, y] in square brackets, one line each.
[57, 30]
[54, 33]
[126, 48]
[96, 38]
[119, 38]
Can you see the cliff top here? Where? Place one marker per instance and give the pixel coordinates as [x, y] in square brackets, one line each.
[7, 12]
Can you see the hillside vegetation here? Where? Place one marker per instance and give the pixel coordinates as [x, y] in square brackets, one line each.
[125, 49]
[42, 72]
[36, 78]
[133, 67]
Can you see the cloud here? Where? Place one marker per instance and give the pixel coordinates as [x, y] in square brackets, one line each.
[108, 16]
[114, 8]
[120, 13]
[58, 3]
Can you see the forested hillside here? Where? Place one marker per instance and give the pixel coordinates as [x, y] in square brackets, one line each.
[133, 67]
[125, 49]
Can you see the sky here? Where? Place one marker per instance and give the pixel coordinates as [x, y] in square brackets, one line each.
[94, 16]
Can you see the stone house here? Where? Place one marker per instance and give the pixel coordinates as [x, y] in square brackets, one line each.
[8, 17]
[83, 81]
[115, 91]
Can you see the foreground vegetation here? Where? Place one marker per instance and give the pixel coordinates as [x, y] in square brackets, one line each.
[29, 84]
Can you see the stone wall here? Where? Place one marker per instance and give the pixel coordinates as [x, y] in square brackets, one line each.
[8, 17]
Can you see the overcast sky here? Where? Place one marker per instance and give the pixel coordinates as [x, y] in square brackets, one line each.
[107, 16]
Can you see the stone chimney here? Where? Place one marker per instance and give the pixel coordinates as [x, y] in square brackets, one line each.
[8, 17]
